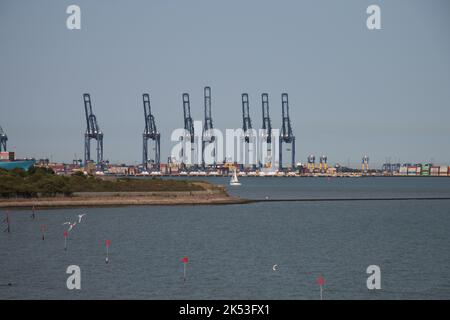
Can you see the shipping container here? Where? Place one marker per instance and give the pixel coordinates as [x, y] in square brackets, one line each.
[425, 170]
[434, 171]
[443, 170]
[403, 170]
[7, 155]
[412, 170]
[418, 170]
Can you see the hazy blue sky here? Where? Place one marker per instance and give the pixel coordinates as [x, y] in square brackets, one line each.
[351, 91]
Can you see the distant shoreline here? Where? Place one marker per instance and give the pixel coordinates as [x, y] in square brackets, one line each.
[113, 199]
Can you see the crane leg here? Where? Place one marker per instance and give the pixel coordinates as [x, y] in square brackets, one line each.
[293, 153]
[144, 151]
[157, 156]
[87, 149]
[280, 154]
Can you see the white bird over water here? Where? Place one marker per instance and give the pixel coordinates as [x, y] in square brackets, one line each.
[71, 225]
[80, 216]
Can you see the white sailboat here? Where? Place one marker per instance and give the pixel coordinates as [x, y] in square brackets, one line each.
[234, 179]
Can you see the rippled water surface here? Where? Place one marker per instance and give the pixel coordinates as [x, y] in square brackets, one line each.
[232, 248]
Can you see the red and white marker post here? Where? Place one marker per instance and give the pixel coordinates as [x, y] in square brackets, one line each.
[184, 261]
[321, 283]
[66, 235]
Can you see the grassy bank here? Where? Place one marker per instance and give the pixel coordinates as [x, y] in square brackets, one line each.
[41, 182]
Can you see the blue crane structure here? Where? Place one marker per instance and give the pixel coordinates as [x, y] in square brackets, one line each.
[207, 136]
[188, 123]
[92, 132]
[286, 135]
[247, 128]
[266, 123]
[3, 139]
[150, 133]
[246, 120]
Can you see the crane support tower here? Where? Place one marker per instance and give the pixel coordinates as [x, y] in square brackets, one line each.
[207, 136]
[150, 133]
[3, 140]
[287, 136]
[188, 125]
[266, 126]
[92, 132]
[248, 130]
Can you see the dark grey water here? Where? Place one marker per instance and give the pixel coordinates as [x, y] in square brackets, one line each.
[232, 248]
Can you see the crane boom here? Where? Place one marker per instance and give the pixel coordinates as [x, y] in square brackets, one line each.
[208, 118]
[246, 120]
[267, 126]
[188, 123]
[286, 129]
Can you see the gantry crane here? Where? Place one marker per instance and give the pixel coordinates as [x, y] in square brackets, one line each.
[266, 125]
[188, 124]
[286, 136]
[92, 132]
[207, 136]
[3, 139]
[247, 129]
[150, 133]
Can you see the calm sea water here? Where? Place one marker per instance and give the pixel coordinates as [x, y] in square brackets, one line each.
[232, 248]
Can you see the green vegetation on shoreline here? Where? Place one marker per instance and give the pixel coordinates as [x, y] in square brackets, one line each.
[41, 182]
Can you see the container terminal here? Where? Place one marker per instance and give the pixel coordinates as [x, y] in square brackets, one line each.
[151, 164]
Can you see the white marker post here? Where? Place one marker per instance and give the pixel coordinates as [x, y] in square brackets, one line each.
[107, 243]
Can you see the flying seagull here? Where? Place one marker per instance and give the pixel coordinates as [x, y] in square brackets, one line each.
[80, 216]
[71, 225]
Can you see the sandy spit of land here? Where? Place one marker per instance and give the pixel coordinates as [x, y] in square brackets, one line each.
[106, 199]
